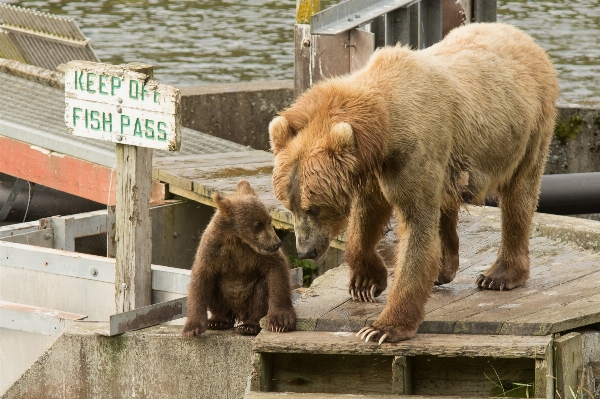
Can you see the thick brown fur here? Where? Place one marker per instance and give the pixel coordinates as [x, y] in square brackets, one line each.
[240, 273]
[421, 133]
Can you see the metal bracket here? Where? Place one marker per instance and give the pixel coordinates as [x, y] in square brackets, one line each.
[350, 14]
[147, 316]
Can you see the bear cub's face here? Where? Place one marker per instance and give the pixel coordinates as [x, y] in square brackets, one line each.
[248, 219]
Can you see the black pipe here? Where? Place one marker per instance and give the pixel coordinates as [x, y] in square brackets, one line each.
[44, 202]
[567, 194]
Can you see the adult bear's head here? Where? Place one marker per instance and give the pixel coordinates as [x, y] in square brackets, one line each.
[325, 145]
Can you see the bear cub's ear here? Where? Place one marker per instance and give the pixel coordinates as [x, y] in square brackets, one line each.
[280, 133]
[244, 188]
[223, 204]
[342, 137]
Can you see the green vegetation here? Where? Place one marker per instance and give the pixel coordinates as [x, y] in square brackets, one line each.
[309, 270]
[568, 130]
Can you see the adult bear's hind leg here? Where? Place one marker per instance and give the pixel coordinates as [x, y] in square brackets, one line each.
[368, 274]
[518, 200]
[449, 239]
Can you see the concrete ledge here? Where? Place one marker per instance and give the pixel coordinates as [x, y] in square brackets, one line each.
[151, 363]
[239, 112]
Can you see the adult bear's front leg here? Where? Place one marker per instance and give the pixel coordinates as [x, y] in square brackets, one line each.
[417, 267]
[368, 217]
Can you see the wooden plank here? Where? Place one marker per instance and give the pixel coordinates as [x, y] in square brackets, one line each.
[567, 359]
[133, 274]
[402, 375]
[33, 319]
[327, 292]
[491, 377]
[542, 279]
[447, 345]
[58, 171]
[492, 320]
[331, 373]
[198, 161]
[556, 319]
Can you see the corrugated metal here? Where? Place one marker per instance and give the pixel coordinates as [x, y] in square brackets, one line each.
[42, 39]
[8, 49]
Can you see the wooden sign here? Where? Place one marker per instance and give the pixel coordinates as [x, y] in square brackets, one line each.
[114, 103]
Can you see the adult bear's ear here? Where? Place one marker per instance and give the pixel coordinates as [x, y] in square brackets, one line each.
[223, 204]
[280, 133]
[342, 137]
[244, 188]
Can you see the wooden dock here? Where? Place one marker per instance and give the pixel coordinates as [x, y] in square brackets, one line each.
[472, 343]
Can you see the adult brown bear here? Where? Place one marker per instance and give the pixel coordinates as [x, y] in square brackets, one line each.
[420, 132]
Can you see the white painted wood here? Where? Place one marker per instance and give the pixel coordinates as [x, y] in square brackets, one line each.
[128, 107]
[15, 316]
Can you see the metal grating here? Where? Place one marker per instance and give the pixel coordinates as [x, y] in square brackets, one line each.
[42, 39]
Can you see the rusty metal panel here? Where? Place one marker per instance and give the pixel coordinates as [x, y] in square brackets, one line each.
[148, 316]
[362, 45]
[42, 39]
[330, 56]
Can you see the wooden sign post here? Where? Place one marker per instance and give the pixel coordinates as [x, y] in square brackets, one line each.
[124, 105]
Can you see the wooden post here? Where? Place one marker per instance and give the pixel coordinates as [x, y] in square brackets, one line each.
[567, 359]
[402, 375]
[133, 278]
[302, 44]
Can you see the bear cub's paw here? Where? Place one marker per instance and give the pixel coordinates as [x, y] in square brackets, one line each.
[192, 331]
[385, 333]
[248, 329]
[282, 320]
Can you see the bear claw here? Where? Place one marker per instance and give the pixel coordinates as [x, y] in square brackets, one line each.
[489, 283]
[367, 332]
[364, 295]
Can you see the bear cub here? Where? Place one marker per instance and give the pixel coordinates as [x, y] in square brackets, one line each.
[240, 273]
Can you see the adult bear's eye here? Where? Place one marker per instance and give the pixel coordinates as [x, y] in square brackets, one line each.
[258, 225]
[313, 210]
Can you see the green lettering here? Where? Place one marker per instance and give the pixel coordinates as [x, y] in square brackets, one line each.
[102, 85]
[156, 95]
[137, 129]
[144, 92]
[161, 126]
[149, 129]
[124, 122]
[86, 119]
[75, 116]
[79, 80]
[106, 121]
[115, 83]
[134, 94]
[94, 115]
[90, 82]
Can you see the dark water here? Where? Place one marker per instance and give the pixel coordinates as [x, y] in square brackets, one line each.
[200, 42]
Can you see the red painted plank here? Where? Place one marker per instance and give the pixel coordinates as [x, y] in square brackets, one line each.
[58, 171]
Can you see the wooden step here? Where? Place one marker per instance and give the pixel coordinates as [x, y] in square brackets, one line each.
[322, 362]
[294, 395]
